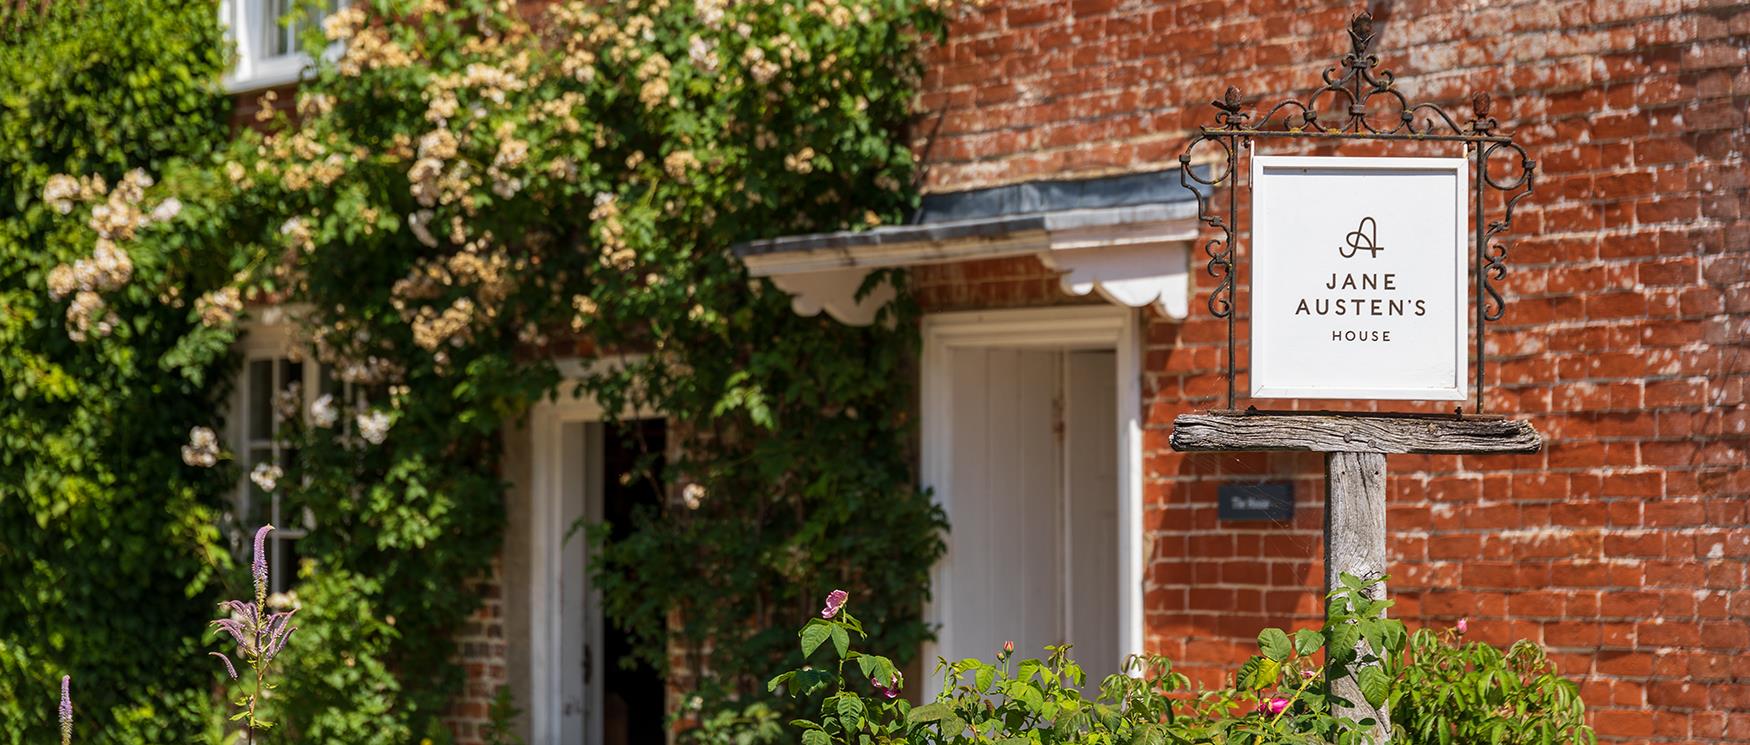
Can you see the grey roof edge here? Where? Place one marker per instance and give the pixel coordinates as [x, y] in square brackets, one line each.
[1124, 190]
[982, 214]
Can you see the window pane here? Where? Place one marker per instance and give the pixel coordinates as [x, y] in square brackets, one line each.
[291, 372]
[285, 568]
[260, 502]
[273, 35]
[259, 390]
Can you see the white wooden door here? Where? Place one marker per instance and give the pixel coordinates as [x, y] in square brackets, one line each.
[1003, 580]
[580, 485]
[1091, 503]
[1032, 504]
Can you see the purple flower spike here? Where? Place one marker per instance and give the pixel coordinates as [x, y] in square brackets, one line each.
[66, 710]
[227, 661]
[259, 567]
[835, 602]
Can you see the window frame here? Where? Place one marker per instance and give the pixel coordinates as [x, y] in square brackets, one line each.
[249, 70]
[267, 340]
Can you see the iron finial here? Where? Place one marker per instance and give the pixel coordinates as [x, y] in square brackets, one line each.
[1361, 31]
[1230, 108]
[1479, 104]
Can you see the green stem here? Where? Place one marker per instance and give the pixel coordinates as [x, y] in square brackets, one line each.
[1305, 681]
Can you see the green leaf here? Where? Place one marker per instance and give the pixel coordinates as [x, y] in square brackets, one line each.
[778, 680]
[933, 712]
[841, 640]
[850, 711]
[816, 737]
[1307, 641]
[1375, 684]
[813, 635]
[1274, 644]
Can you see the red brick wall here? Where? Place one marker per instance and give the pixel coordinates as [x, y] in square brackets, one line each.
[1624, 546]
[483, 656]
[1012, 282]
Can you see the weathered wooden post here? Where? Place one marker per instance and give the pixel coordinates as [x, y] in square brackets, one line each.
[1359, 275]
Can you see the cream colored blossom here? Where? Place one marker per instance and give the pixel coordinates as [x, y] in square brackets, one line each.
[679, 164]
[267, 476]
[584, 308]
[315, 104]
[264, 106]
[420, 225]
[60, 192]
[372, 49]
[563, 169]
[654, 73]
[323, 412]
[343, 24]
[219, 307]
[87, 314]
[167, 210]
[297, 233]
[439, 144]
[433, 329]
[762, 69]
[202, 450]
[373, 426]
[802, 162]
[710, 12]
[703, 53]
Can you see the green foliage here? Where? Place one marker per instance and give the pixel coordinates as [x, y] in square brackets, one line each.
[1439, 692]
[332, 673]
[1464, 692]
[501, 719]
[459, 199]
[108, 543]
[446, 221]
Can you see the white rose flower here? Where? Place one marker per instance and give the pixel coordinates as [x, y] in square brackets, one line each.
[202, 450]
[323, 412]
[373, 426]
[167, 210]
[266, 475]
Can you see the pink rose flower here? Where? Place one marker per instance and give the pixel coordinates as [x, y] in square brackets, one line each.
[1463, 626]
[835, 602]
[1273, 706]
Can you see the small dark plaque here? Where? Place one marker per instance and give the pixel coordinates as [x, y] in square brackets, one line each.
[1272, 502]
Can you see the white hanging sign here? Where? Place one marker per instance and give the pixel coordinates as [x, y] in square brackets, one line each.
[1358, 277]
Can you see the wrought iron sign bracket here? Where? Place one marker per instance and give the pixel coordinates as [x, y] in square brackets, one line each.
[1363, 94]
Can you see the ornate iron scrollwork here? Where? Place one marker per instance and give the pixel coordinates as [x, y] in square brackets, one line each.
[1355, 88]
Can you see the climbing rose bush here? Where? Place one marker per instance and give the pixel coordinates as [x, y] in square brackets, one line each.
[457, 195]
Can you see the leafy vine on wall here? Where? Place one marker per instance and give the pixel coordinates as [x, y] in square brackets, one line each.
[461, 193]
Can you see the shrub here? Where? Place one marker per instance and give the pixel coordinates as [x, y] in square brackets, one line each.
[108, 544]
[1438, 689]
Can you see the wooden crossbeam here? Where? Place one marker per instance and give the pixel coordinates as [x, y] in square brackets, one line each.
[1352, 433]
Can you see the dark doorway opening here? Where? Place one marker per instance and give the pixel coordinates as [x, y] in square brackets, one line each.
[633, 708]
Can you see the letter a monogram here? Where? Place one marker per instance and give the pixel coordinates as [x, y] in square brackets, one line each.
[1362, 239]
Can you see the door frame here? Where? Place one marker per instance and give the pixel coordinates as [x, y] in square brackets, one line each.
[1062, 328]
[546, 553]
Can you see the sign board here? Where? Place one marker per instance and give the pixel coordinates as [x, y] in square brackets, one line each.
[1358, 277]
[1268, 502]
